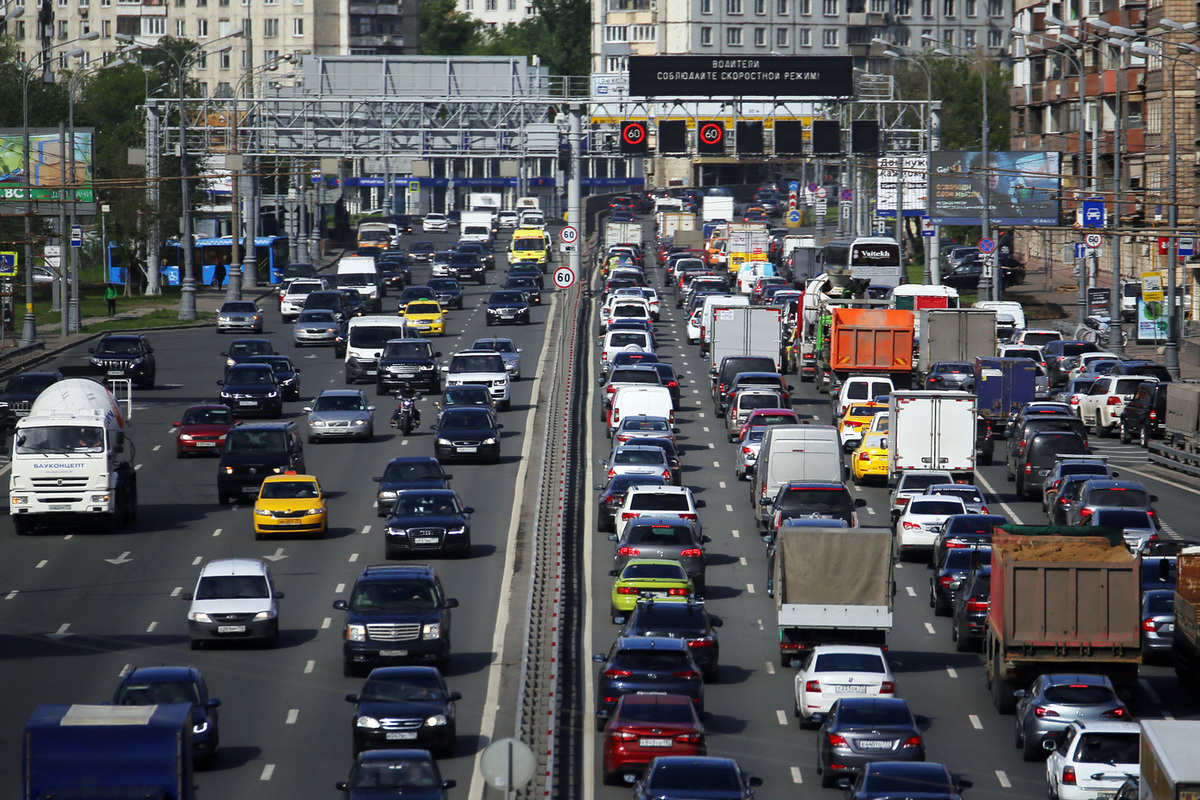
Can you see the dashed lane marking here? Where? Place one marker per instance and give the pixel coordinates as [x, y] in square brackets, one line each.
[742, 560]
[1003, 778]
[41, 564]
[727, 506]
[929, 627]
[197, 561]
[735, 533]
[975, 723]
[325, 623]
[150, 628]
[749, 588]
[770, 668]
[781, 716]
[11, 595]
[217, 532]
[796, 776]
[293, 714]
[309, 666]
[353, 557]
[952, 672]
[341, 587]
[366, 529]
[175, 592]
[268, 771]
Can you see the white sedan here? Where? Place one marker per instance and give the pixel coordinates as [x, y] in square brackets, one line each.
[832, 671]
[918, 526]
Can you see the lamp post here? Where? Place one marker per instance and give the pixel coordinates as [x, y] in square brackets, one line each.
[989, 287]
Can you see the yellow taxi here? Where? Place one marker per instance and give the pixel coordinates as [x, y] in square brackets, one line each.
[426, 316]
[870, 459]
[290, 504]
[855, 422]
[660, 578]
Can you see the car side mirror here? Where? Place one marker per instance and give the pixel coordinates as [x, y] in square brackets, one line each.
[1018, 694]
[308, 409]
[603, 463]
[1153, 498]
[92, 350]
[370, 408]
[767, 501]
[1115, 474]
[279, 595]
[675, 430]
[599, 487]
[964, 784]
[341, 605]
[754, 781]
[790, 387]
[468, 510]
[612, 537]
[220, 383]
[213, 703]
[378, 479]
[454, 696]
[226, 354]
[342, 785]
[175, 424]
[450, 603]
[351, 698]
[598, 658]
[955, 584]
[860, 503]
[187, 597]
[613, 573]
[705, 539]
[700, 504]
[499, 425]
[716, 622]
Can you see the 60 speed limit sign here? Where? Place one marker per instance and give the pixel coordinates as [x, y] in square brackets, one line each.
[564, 277]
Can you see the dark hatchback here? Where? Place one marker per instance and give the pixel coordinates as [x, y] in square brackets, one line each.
[404, 706]
[613, 495]
[396, 614]
[254, 450]
[893, 779]
[1062, 356]
[1145, 415]
[1041, 453]
[478, 250]
[687, 621]
[411, 361]
[432, 521]
[148, 686]
[20, 392]
[408, 472]
[530, 271]
[964, 530]
[864, 730]
[507, 307]
[945, 583]
[527, 286]
[946, 375]
[646, 664]
[388, 774]
[467, 433]
[467, 394]
[251, 389]
[287, 374]
[971, 608]
[242, 349]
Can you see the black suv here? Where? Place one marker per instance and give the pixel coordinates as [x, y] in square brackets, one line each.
[723, 374]
[19, 393]
[254, 450]
[974, 592]
[411, 361]
[1145, 414]
[396, 615]
[125, 355]
[688, 621]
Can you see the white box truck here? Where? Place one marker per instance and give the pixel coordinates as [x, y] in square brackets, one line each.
[711, 303]
[932, 430]
[1168, 767]
[622, 233]
[71, 462]
[746, 330]
[477, 226]
[717, 207]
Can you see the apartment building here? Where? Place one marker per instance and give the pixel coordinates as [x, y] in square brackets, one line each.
[497, 13]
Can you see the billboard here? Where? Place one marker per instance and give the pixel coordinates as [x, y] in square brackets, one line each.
[915, 186]
[741, 76]
[1024, 188]
[49, 165]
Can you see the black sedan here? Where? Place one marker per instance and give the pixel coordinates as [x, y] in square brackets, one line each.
[287, 373]
[447, 291]
[688, 777]
[651, 664]
[528, 271]
[865, 730]
[948, 575]
[477, 249]
[421, 251]
[148, 686]
[408, 472]
[379, 774]
[251, 389]
[507, 306]
[467, 433]
[409, 705]
[688, 621]
[468, 267]
[967, 274]
[527, 285]
[428, 521]
[889, 779]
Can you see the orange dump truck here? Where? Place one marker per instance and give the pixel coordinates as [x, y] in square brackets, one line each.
[870, 341]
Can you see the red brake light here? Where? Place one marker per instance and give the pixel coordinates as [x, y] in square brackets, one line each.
[617, 673]
[952, 544]
[629, 551]
[1148, 624]
[887, 687]
[627, 590]
[812, 686]
[837, 741]
[611, 473]
[1116, 713]
[678, 592]
[691, 552]
[1028, 469]
[1044, 712]
[690, 516]
[705, 642]
[1085, 512]
[625, 736]
[1115, 401]
[911, 742]
[1068, 776]
[689, 738]
[630, 515]
[977, 605]
[946, 580]
[687, 675]
[911, 526]
[747, 450]
[864, 457]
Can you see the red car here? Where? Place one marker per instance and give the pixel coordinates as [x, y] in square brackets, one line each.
[769, 416]
[202, 430]
[646, 726]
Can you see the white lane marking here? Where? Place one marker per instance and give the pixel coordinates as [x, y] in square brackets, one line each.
[150, 628]
[728, 507]
[710, 447]
[952, 672]
[742, 560]
[62, 629]
[41, 564]
[121, 559]
[196, 561]
[975, 723]
[705, 428]
[749, 588]
[1003, 778]
[136, 467]
[735, 533]
[11, 595]
[929, 627]
[870, 511]
[1152, 476]
[1153, 695]
[267, 772]
[760, 625]
[911, 591]
[782, 717]
[217, 532]
[770, 668]
[175, 592]
[293, 713]
[341, 587]
[309, 666]
[125, 670]
[326, 622]
[1007, 508]
[366, 529]
[796, 776]
[720, 484]
[701, 414]
[353, 557]
[68, 536]
[156, 448]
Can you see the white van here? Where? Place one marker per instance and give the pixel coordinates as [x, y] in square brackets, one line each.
[794, 453]
[360, 273]
[365, 338]
[640, 401]
[532, 218]
[859, 389]
[1010, 316]
[706, 315]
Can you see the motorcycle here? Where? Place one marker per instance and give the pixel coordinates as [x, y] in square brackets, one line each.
[406, 417]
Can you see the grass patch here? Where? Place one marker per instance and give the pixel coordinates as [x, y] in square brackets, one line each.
[151, 319]
[136, 311]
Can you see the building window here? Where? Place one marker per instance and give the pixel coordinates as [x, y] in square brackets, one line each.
[512, 5]
[616, 33]
[829, 8]
[225, 61]
[468, 5]
[995, 8]
[782, 8]
[948, 8]
[617, 64]
[270, 56]
[62, 3]
[180, 28]
[902, 37]
[223, 28]
[903, 8]
[948, 38]
[202, 61]
[270, 28]
[644, 33]
[706, 7]
[830, 39]
[63, 31]
[969, 38]
[489, 5]
[246, 59]
[971, 7]
[201, 29]
[733, 37]
[804, 37]
[805, 8]
[995, 38]
[926, 8]
[760, 7]
[781, 37]
[760, 37]
[298, 26]
[733, 6]
[706, 36]
[925, 32]
[105, 29]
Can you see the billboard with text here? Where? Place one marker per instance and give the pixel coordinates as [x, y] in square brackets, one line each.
[1023, 188]
[49, 165]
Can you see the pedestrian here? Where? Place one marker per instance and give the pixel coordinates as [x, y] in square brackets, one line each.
[219, 274]
[110, 297]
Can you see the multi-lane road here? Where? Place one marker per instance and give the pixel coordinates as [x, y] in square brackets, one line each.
[77, 610]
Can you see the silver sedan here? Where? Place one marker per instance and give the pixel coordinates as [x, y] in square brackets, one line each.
[316, 326]
[239, 315]
[340, 414]
[507, 349]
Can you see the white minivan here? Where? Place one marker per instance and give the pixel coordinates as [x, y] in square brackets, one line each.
[859, 389]
[640, 400]
[365, 339]
[360, 274]
[794, 453]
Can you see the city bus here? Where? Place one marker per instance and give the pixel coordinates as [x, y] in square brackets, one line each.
[270, 251]
[876, 258]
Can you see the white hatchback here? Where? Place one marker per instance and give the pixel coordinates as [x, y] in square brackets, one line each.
[832, 671]
[917, 529]
[1091, 760]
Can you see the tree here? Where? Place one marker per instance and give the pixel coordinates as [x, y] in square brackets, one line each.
[446, 32]
[558, 32]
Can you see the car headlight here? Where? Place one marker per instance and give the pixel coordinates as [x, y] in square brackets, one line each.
[444, 442]
[272, 395]
[431, 630]
[186, 437]
[436, 720]
[360, 422]
[261, 512]
[20, 501]
[356, 633]
[397, 531]
[224, 319]
[426, 366]
[387, 494]
[229, 470]
[198, 616]
[201, 727]
[490, 440]
[317, 423]
[263, 616]
[226, 395]
[277, 470]
[457, 531]
[367, 722]
[317, 510]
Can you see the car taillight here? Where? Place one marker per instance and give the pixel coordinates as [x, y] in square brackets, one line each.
[630, 515]
[707, 641]
[1115, 401]
[1153, 415]
[1068, 776]
[1116, 713]
[625, 736]
[1153, 537]
[1148, 624]
[1021, 444]
[946, 580]
[977, 605]
[1054, 486]
[671, 384]
[629, 551]
[617, 673]
[1151, 512]
[887, 687]
[747, 450]
[689, 738]
[837, 741]
[983, 510]
[1074, 400]
[687, 675]
[911, 742]
[1085, 512]
[691, 552]
[666, 474]
[627, 590]
[678, 592]
[692, 517]
[611, 473]
[864, 456]
[912, 526]
[812, 686]
[1041, 711]
[1028, 469]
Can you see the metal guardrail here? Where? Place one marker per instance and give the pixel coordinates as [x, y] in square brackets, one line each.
[1175, 459]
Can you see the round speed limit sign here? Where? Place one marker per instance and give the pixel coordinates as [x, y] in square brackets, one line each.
[564, 277]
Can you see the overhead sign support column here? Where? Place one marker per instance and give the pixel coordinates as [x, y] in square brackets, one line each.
[575, 183]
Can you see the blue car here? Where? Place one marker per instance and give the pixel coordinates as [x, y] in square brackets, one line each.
[150, 686]
[380, 774]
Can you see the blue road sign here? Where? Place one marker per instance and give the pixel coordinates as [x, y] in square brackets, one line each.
[76, 236]
[987, 245]
[1187, 246]
[812, 187]
[1093, 213]
[794, 215]
[1080, 250]
[793, 186]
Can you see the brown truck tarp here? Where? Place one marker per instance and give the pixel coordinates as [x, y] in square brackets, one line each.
[834, 566]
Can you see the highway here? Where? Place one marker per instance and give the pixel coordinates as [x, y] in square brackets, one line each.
[78, 610]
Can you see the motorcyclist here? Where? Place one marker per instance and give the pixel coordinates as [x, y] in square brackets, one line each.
[406, 392]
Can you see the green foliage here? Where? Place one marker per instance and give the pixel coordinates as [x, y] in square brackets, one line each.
[559, 33]
[958, 84]
[446, 32]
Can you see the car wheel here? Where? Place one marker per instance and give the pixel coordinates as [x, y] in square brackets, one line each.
[828, 777]
[197, 644]
[223, 499]
[1101, 431]
[1126, 437]
[1031, 749]
[349, 670]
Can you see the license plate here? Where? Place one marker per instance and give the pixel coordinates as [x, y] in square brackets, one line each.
[1168, 628]
[290, 521]
[231, 629]
[393, 653]
[425, 540]
[659, 594]
[468, 449]
[60, 507]
[1105, 795]
[851, 688]
[654, 742]
[392, 735]
[874, 745]
[250, 489]
[372, 372]
[206, 444]
[116, 372]
[247, 403]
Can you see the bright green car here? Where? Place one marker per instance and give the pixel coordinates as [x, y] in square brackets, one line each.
[659, 578]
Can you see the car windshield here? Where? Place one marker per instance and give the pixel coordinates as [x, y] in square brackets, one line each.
[405, 688]
[499, 298]
[692, 776]
[452, 421]
[372, 336]
[232, 587]
[1079, 695]
[356, 279]
[909, 783]
[239, 308]
[911, 482]
[1123, 518]
[653, 501]
[289, 490]
[638, 456]
[411, 471]
[1037, 339]
[118, 347]
[650, 661]
[495, 345]
[623, 338]
[665, 713]
[29, 384]
[866, 411]
[408, 349]
[248, 348]
[477, 363]
[150, 693]
[339, 402]
[644, 424]
[316, 315]
[467, 397]
[422, 308]
[967, 493]
[1118, 498]
[207, 416]
[376, 774]
[1108, 748]
[934, 507]
[849, 662]
[249, 376]
[665, 572]
[416, 504]
[395, 597]
[303, 288]
[749, 401]
[886, 714]
[242, 441]
[814, 501]
[60, 439]
[658, 535]
[633, 376]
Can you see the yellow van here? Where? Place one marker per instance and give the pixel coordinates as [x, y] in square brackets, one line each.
[530, 245]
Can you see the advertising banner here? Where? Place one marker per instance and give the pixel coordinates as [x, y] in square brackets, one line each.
[49, 165]
[1151, 322]
[1023, 190]
[915, 186]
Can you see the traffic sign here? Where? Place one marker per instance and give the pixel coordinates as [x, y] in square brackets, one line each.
[1187, 245]
[573, 247]
[1093, 213]
[987, 245]
[927, 227]
[710, 138]
[822, 192]
[1080, 250]
[564, 277]
[812, 187]
[569, 235]
[76, 236]
[8, 264]
[794, 215]
[793, 186]
[847, 195]
[1093, 240]
[507, 764]
[633, 137]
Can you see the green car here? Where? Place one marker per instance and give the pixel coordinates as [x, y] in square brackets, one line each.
[661, 579]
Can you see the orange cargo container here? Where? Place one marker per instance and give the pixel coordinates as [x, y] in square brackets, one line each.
[875, 340]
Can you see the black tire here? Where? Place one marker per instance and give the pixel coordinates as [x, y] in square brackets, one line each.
[828, 777]
[1126, 438]
[1144, 436]
[223, 499]
[197, 644]
[22, 526]
[1031, 750]
[349, 670]
[1101, 431]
